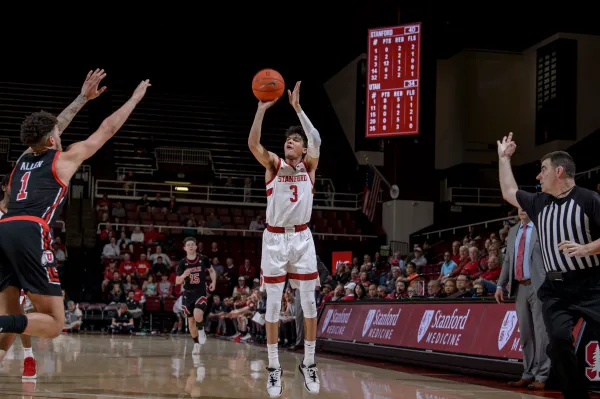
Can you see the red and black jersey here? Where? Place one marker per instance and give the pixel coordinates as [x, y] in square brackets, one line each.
[35, 189]
[196, 281]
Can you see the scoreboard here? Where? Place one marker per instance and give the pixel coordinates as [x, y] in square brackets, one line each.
[393, 81]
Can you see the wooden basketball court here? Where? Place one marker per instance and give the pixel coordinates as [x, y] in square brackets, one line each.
[102, 366]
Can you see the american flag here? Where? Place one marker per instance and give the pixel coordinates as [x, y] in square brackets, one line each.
[370, 195]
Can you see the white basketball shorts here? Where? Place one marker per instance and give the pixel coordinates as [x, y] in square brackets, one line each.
[292, 254]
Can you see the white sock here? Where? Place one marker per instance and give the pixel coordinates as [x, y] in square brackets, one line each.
[273, 356]
[28, 352]
[309, 352]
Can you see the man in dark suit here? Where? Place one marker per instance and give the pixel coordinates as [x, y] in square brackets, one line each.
[523, 270]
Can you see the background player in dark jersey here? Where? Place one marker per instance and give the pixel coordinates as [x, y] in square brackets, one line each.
[191, 272]
[38, 186]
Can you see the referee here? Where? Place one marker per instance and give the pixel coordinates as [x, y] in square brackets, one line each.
[567, 218]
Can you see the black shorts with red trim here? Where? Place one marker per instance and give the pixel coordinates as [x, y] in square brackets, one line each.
[26, 257]
[192, 300]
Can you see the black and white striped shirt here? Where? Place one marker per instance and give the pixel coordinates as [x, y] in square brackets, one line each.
[575, 218]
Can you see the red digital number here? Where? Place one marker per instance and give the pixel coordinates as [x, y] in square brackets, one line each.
[195, 278]
[23, 191]
[294, 189]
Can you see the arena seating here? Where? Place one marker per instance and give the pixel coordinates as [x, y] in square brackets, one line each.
[218, 126]
[17, 100]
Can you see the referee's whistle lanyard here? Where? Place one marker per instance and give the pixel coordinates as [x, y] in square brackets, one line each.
[564, 193]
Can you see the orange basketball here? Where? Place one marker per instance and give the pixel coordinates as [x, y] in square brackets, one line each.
[268, 85]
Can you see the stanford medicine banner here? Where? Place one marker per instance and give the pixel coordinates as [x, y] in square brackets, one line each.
[480, 329]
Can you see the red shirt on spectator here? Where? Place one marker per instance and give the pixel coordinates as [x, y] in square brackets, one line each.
[456, 258]
[153, 236]
[471, 268]
[143, 268]
[127, 267]
[491, 275]
[248, 273]
[138, 294]
[108, 274]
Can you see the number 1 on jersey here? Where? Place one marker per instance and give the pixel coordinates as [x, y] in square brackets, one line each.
[294, 189]
[23, 191]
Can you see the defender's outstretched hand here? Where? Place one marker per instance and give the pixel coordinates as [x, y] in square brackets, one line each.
[90, 86]
[507, 147]
[140, 91]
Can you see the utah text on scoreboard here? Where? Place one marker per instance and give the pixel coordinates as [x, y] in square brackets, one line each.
[393, 77]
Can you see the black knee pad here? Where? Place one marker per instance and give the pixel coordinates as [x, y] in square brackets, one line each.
[202, 306]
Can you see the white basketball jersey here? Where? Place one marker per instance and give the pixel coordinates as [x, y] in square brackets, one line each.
[289, 196]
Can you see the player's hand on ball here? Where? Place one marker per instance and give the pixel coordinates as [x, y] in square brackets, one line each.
[265, 105]
[295, 97]
[90, 86]
[140, 91]
[506, 147]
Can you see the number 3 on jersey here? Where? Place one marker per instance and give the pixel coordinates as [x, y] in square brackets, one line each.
[23, 191]
[294, 189]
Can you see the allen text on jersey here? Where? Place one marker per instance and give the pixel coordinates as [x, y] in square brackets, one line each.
[31, 165]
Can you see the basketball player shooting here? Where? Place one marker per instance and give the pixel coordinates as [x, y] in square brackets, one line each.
[288, 246]
[38, 186]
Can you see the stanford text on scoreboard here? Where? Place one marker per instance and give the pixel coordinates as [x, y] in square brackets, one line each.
[393, 77]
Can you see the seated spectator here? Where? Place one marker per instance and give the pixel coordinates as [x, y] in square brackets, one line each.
[190, 230]
[158, 205]
[73, 316]
[116, 295]
[122, 321]
[103, 204]
[142, 267]
[257, 224]
[111, 250]
[143, 204]
[359, 292]
[494, 269]
[247, 271]
[448, 266]
[149, 287]
[137, 235]
[172, 207]
[153, 236]
[349, 295]
[118, 211]
[411, 273]
[127, 267]
[241, 288]
[127, 284]
[463, 286]
[325, 292]
[480, 290]
[434, 289]
[472, 269]
[214, 251]
[213, 222]
[419, 260]
[399, 291]
[138, 294]
[392, 278]
[133, 305]
[364, 280]
[109, 274]
[152, 258]
[450, 287]
[123, 239]
[165, 288]
[381, 292]
[216, 311]
[159, 268]
[219, 269]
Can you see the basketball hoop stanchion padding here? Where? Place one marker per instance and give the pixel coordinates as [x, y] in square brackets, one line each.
[587, 349]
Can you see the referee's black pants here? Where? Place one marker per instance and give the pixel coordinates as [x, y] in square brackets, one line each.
[563, 303]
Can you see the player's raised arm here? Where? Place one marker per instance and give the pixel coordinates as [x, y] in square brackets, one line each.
[508, 184]
[74, 156]
[266, 158]
[312, 134]
[89, 91]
